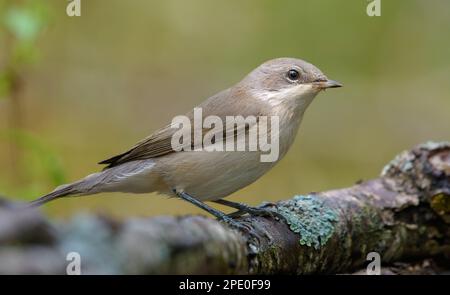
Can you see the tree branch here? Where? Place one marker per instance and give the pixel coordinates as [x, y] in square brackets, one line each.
[403, 215]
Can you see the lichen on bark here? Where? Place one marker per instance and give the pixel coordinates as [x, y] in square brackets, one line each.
[310, 217]
[402, 215]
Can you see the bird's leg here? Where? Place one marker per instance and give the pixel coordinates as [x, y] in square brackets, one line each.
[243, 208]
[218, 214]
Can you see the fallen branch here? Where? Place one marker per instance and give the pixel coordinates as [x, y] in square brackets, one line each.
[402, 215]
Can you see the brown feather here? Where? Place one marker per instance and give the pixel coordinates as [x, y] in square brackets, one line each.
[159, 143]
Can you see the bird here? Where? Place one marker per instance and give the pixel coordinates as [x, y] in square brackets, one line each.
[280, 88]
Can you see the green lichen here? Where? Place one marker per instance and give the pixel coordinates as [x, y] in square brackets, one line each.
[309, 217]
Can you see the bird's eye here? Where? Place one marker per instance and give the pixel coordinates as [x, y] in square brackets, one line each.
[293, 75]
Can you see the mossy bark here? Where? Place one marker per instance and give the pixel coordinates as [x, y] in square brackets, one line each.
[403, 215]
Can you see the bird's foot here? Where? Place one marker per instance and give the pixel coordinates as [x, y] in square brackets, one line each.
[262, 210]
[234, 224]
[256, 211]
[218, 214]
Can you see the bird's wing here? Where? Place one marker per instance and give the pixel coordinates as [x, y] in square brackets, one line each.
[159, 143]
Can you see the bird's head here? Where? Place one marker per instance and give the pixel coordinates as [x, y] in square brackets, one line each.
[287, 80]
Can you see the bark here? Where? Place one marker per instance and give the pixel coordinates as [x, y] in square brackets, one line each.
[403, 215]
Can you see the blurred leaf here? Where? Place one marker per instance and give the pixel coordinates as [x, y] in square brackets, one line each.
[24, 53]
[25, 24]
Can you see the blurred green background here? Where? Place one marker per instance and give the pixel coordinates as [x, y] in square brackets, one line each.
[76, 90]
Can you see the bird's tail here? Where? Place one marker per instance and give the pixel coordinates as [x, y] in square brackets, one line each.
[62, 191]
[131, 177]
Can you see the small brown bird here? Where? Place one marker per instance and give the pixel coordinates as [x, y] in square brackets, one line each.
[278, 89]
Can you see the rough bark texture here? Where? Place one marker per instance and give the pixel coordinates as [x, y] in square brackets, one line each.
[403, 215]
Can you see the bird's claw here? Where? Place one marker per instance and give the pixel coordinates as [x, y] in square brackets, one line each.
[256, 211]
[237, 225]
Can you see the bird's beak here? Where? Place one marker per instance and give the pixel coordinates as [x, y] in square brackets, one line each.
[332, 84]
[329, 84]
